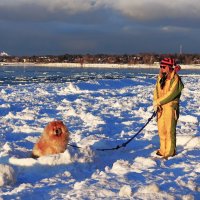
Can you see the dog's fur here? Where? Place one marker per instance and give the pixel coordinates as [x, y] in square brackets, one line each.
[53, 140]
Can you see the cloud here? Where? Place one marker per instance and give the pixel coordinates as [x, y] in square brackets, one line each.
[156, 9]
[106, 26]
[45, 10]
[143, 10]
[175, 29]
[52, 6]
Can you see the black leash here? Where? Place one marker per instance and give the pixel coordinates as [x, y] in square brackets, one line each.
[125, 143]
[74, 146]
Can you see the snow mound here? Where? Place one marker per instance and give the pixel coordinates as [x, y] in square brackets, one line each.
[79, 185]
[125, 191]
[141, 163]
[6, 105]
[152, 191]
[52, 160]
[120, 167]
[85, 155]
[90, 119]
[26, 114]
[189, 184]
[57, 159]
[152, 188]
[188, 197]
[7, 175]
[22, 161]
[71, 88]
[6, 149]
[189, 119]
[188, 141]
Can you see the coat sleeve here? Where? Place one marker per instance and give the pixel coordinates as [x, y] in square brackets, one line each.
[174, 92]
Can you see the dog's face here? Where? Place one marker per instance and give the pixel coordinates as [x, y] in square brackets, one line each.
[56, 129]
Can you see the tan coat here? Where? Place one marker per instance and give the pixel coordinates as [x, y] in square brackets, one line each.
[168, 99]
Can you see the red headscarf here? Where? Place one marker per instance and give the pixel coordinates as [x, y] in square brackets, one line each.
[171, 63]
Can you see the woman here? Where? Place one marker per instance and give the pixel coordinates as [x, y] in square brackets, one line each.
[166, 102]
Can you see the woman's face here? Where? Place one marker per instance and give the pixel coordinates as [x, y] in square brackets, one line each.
[164, 69]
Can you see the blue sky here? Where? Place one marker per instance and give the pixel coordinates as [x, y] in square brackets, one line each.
[41, 27]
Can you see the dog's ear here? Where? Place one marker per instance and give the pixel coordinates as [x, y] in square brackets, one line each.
[34, 156]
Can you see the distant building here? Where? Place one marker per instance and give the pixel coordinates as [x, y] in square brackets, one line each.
[3, 54]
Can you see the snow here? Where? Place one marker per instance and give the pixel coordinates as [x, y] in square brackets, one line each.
[97, 65]
[125, 191]
[99, 114]
[7, 175]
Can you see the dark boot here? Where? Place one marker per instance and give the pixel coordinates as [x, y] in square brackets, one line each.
[166, 157]
[158, 153]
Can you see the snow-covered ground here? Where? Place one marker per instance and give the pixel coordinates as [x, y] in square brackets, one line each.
[96, 65]
[99, 114]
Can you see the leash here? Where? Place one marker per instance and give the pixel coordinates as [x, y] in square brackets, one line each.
[125, 143]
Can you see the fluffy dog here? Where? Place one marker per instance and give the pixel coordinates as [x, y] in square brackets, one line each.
[53, 140]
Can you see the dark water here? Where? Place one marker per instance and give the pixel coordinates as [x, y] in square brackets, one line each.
[25, 75]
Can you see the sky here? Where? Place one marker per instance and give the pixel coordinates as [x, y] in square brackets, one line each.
[57, 27]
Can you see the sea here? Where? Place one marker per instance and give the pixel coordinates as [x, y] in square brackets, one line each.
[10, 75]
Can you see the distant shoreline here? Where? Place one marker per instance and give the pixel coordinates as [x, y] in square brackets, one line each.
[95, 65]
